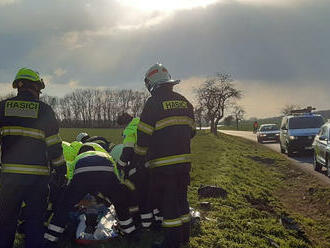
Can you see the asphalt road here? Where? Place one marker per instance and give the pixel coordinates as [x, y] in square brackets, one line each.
[304, 161]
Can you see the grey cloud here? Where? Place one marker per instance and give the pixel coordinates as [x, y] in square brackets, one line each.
[254, 43]
[264, 43]
[31, 31]
[57, 16]
[272, 44]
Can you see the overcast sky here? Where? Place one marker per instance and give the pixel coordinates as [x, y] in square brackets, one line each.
[278, 51]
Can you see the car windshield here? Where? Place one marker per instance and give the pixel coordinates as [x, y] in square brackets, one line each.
[268, 128]
[305, 122]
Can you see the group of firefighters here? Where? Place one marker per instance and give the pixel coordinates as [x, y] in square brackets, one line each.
[146, 181]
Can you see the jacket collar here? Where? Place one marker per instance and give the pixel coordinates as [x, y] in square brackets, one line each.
[164, 88]
[26, 94]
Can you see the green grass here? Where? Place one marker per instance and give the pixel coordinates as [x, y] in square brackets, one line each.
[259, 183]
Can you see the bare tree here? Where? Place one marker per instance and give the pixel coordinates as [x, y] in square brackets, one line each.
[94, 107]
[53, 101]
[109, 106]
[138, 101]
[238, 113]
[214, 95]
[65, 111]
[288, 108]
[125, 97]
[199, 116]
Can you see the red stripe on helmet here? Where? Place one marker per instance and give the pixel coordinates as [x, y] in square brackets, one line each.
[152, 73]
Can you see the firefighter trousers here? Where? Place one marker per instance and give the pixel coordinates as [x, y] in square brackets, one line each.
[169, 195]
[139, 198]
[105, 183]
[12, 196]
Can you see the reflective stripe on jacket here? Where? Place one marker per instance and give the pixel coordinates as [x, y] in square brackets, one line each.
[92, 161]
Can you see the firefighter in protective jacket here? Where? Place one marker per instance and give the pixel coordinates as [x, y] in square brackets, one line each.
[31, 148]
[163, 139]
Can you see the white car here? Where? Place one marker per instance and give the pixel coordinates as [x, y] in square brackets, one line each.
[321, 147]
[268, 132]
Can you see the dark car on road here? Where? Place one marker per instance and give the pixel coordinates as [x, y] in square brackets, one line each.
[298, 131]
[321, 147]
[268, 132]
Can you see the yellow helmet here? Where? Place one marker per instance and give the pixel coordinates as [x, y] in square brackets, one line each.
[30, 76]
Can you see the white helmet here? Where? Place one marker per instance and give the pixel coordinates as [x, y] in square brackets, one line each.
[80, 137]
[157, 75]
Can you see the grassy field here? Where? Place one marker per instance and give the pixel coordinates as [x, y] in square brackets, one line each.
[269, 203]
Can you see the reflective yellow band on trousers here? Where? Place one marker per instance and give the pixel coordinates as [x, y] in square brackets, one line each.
[185, 218]
[58, 161]
[22, 131]
[176, 159]
[50, 237]
[172, 223]
[174, 121]
[55, 228]
[25, 169]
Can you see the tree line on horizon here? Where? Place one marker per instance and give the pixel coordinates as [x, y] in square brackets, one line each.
[100, 108]
[94, 108]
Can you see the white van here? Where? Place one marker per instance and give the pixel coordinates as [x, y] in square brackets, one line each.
[297, 132]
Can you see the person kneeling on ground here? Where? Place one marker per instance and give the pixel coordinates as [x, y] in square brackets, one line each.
[95, 172]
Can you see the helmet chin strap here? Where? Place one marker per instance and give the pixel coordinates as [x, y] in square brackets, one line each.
[148, 85]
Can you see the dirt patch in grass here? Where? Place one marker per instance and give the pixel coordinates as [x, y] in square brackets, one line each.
[260, 204]
[267, 161]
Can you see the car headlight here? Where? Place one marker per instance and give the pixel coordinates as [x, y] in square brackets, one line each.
[277, 134]
[262, 135]
[293, 137]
